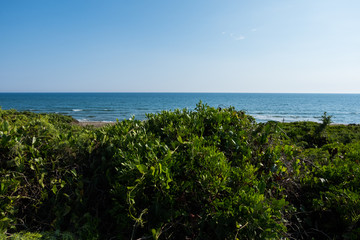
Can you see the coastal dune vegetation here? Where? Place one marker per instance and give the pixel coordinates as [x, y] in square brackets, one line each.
[209, 173]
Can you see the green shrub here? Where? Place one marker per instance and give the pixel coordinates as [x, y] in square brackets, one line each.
[203, 174]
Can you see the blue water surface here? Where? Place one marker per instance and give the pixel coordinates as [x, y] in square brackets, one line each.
[344, 108]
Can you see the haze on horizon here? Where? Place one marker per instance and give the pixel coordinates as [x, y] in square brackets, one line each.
[180, 46]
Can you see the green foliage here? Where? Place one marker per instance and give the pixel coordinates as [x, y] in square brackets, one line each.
[40, 155]
[37, 236]
[203, 174]
[21, 236]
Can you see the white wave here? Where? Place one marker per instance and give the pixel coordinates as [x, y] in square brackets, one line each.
[77, 110]
[88, 120]
[285, 118]
[83, 120]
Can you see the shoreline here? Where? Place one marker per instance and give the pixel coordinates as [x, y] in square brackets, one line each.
[93, 123]
[102, 124]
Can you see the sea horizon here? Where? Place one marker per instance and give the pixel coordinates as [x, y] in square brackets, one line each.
[187, 92]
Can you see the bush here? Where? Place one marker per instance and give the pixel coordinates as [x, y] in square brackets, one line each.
[203, 174]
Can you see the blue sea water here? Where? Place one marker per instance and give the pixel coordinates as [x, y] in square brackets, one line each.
[344, 108]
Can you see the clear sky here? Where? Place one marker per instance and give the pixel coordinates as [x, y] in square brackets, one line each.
[180, 46]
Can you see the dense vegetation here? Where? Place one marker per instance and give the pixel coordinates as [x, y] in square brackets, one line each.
[203, 174]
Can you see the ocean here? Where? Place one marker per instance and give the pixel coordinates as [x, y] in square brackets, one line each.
[344, 108]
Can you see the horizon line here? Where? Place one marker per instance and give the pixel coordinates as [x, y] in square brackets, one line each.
[197, 92]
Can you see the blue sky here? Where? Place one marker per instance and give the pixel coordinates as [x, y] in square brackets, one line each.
[180, 46]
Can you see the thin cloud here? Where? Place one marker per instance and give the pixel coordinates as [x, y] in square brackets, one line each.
[254, 30]
[239, 38]
[234, 36]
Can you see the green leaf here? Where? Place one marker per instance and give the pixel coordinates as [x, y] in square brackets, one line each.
[73, 171]
[54, 189]
[160, 168]
[152, 169]
[41, 180]
[142, 168]
[5, 219]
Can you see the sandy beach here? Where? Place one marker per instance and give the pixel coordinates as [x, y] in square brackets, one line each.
[95, 124]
